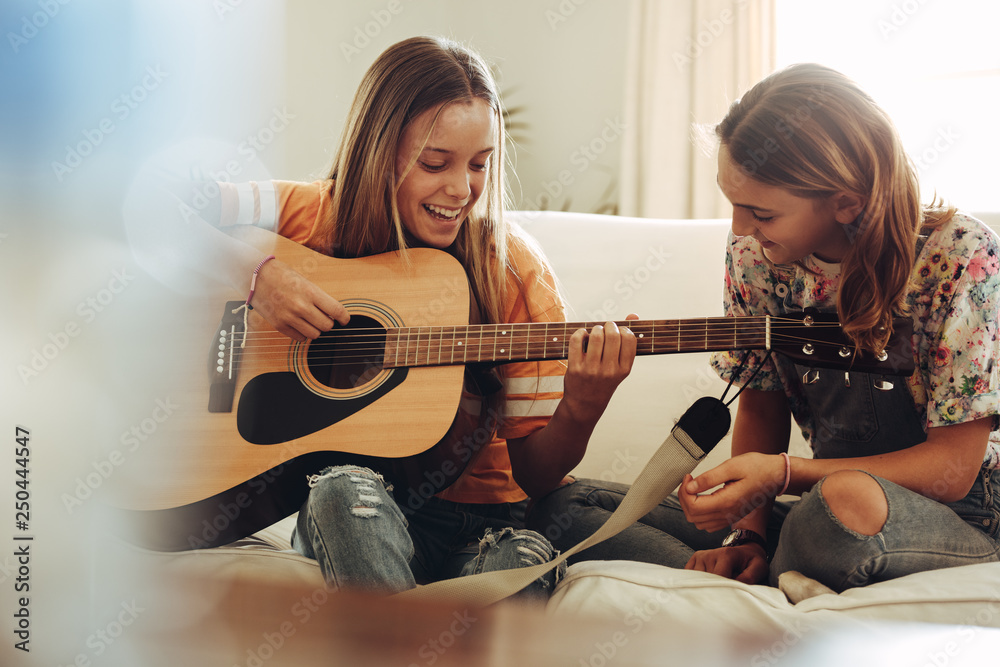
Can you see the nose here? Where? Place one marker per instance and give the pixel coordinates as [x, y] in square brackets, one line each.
[457, 185]
[741, 226]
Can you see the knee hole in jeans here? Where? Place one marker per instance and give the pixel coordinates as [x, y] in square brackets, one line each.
[362, 494]
[856, 500]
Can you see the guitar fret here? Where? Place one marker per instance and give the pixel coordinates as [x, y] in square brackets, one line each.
[440, 338]
[400, 347]
[420, 345]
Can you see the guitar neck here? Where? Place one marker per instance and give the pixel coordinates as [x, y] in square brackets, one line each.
[536, 341]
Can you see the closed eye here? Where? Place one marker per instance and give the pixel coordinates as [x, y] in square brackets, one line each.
[759, 218]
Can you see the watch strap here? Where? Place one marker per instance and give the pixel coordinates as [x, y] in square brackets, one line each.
[744, 536]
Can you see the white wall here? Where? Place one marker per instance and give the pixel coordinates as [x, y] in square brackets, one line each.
[563, 61]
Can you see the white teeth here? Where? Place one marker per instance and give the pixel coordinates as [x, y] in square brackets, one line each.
[443, 212]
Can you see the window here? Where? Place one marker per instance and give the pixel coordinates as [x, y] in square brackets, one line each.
[933, 66]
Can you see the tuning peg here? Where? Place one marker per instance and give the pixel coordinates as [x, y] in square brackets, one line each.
[883, 385]
[810, 377]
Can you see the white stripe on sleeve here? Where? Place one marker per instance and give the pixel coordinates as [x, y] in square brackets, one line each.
[534, 385]
[268, 206]
[536, 408]
[244, 215]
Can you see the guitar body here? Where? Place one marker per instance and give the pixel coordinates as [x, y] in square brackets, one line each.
[235, 453]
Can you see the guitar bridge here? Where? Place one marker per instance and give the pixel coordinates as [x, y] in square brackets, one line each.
[223, 359]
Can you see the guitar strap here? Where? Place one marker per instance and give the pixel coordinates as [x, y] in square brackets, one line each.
[700, 428]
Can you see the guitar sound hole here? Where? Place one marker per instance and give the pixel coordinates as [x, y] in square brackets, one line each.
[350, 356]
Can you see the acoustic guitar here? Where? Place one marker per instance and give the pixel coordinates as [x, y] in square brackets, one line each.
[264, 412]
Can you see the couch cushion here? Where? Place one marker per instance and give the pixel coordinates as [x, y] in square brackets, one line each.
[966, 596]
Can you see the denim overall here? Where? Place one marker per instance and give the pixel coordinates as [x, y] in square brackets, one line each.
[861, 414]
[855, 414]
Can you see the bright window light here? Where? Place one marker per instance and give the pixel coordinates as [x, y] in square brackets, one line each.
[934, 66]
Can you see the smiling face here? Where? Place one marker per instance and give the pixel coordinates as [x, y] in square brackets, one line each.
[788, 227]
[448, 171]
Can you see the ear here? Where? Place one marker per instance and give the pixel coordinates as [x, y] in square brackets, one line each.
[847, 206]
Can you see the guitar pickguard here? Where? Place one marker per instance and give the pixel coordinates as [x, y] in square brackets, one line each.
[276, 407]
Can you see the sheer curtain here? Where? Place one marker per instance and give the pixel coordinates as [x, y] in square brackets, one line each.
[688, 60]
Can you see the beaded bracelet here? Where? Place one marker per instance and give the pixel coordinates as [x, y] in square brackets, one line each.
[253, 279]
[246, 307]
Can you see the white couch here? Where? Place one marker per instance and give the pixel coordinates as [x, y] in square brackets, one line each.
[660, 269]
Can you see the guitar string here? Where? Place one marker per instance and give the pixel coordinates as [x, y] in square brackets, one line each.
[412, 353]
[632, 324]
[448, 332]
[486, 331]
[354, 343]
[430, 339]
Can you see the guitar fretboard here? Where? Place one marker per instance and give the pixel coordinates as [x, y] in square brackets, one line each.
[449, 345]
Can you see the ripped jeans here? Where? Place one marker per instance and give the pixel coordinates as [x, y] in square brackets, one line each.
[360, 537]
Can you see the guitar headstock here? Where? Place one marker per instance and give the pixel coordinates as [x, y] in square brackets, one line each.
[817, 340]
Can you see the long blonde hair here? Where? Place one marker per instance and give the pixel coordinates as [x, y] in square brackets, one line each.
[407, 79]
[812, 131]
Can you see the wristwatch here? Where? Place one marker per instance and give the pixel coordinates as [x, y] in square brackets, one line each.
[744, 536]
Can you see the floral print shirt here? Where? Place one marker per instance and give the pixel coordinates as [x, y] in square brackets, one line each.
[954, 301]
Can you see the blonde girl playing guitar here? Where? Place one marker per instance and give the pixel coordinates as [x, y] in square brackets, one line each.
[420, 164]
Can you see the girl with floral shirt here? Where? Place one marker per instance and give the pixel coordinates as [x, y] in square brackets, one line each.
[903, 476]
